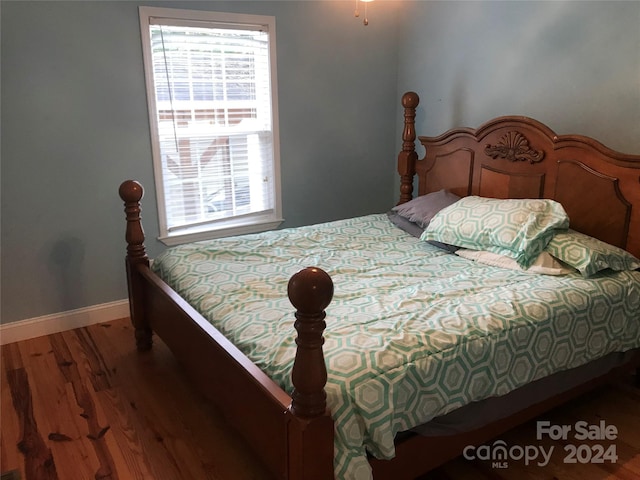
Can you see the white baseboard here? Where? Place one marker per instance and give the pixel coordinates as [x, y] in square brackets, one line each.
[59, 322]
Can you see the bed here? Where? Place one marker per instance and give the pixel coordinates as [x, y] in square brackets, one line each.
[295, 384]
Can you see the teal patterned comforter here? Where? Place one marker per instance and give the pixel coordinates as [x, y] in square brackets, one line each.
[413, 332]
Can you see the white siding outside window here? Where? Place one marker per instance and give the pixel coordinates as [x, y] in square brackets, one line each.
[211, 91]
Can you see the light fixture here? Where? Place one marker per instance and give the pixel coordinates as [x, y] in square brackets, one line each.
[357, 13]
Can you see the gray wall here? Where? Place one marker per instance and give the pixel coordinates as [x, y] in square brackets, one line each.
[74, 118]
[75, 125]
[574, 65]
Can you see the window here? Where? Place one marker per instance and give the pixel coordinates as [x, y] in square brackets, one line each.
[211, 91]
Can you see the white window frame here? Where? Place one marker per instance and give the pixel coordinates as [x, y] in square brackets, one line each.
[234, 225]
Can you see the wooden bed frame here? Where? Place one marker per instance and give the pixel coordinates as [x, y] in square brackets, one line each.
[508, 157]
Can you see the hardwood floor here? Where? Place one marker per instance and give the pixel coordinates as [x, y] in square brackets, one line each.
[84, 404]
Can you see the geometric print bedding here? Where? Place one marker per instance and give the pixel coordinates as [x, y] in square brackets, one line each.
[516, 228]
[413, 332]
[589, 255]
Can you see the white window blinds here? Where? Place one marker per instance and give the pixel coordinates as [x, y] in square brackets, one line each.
[214, 122]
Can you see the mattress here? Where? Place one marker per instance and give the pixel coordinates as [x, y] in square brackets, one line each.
[413, 332]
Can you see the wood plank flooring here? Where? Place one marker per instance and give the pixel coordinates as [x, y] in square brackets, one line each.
[84, 404]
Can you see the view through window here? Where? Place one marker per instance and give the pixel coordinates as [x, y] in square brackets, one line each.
[210, 82]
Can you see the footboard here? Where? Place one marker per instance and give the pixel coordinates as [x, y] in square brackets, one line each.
[292, 434]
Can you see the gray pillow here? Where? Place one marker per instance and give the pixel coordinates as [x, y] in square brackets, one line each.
[422, 209]
[405, 224]
[416, 230]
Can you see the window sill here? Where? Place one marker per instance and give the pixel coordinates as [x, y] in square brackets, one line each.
[196, 235]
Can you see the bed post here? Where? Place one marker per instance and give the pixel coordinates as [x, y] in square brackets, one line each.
[310, 291]
[407, 157]
[131, 193]
[310, 443]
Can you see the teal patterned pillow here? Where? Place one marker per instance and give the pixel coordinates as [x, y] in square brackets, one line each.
[517, 228]
[589, 255]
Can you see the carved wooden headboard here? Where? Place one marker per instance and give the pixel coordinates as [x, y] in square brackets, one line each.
[518, 157]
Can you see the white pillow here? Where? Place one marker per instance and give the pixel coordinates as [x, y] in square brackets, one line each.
[544, 264]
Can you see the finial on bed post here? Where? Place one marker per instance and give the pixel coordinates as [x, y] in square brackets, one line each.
[310, 291]
[131, 192]
[408, 156]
